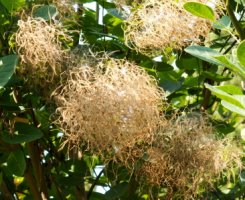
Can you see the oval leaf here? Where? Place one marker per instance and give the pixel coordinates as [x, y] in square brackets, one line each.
[241, 53]
[230, 89]
[203, 53]
[223, 23]
[23, 133]
[7, 67]
[117, 191]
[233, 108]
[235, 100]
[16, 163]
[200, 10]
[46, 12]
[225, 62]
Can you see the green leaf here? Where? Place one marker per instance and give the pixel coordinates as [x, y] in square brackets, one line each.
[223, 23]
[7, 67]
[231, 89]
[156, 66]
[97, 196]
[114, 25]
[70, 180]
[187, 62]
[204, 53]
[236, 101]
[171, 86]
[16, 163]
[90, 27]
[214, 76]
[46, 12]
[13, 5]
[23, 133]
[117, 191]
[223, 127]
[241, 53]
[212, 56]
[200, 10]
[191, 82]
[233, 108]
[42, 117]
[162, 66]
[224, 61]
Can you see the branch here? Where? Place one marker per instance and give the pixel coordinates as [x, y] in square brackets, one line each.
[94, 183]
[205, 103]
[58, 189]
[6, 192]
[32, 184]
[234, 21]
[8, 147]
[34, 152]
[37, 167]
[133, 185]
[206, 92]
[81, 193]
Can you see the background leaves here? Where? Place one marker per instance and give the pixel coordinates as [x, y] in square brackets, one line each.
[7, 67]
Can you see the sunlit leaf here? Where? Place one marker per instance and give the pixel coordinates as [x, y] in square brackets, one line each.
[200, 10]
[231, 89]
[241, 53]
[226, 97]
[224, 61]
[233, 108]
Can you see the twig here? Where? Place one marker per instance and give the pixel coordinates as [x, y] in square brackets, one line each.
[32, 184]
[234, 21]
[94, 184]
[6, 192]
[36, 162]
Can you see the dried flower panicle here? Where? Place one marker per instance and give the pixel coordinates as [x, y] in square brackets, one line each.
[109, 108]
[186, 157]
[42, 55]
[40, 49]
[64, 6]
[127, 2]
[156, 25]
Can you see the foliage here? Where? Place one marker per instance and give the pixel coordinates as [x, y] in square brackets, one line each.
[46, 47]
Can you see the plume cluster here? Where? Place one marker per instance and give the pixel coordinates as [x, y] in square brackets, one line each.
[64, 6]
[186, 158]
[156, 25]
[109, 108]
[114, 109]
[40, 49]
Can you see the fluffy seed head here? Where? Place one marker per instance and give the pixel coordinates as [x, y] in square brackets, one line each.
[109, 108]
[64, 6]
[38, 44]
[156, 25]
[186, 157]
[127, 2]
